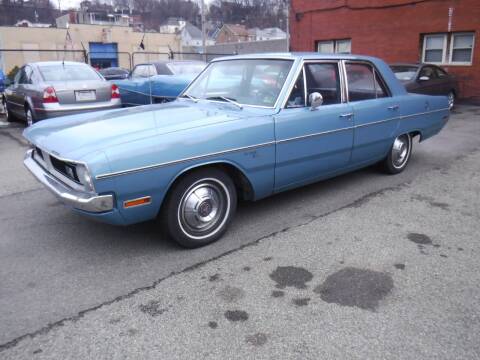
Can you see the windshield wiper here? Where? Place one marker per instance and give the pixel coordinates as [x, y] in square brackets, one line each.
[229, 100]
[193, 98]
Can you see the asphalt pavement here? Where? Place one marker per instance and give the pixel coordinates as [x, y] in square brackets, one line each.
[361, 266]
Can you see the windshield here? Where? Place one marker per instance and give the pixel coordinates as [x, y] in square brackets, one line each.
[68, 72]
[403, 72]
[186, 68]
[246, 81]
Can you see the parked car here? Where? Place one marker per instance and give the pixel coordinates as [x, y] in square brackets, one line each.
[157, 82]
[226, 137]
[114, 73]
[43, 90]
[427, 79]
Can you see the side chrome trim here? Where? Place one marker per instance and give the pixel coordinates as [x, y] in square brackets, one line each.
[314, 134]
[174, 162]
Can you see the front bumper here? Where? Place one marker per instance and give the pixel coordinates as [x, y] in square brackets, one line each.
[92, 203]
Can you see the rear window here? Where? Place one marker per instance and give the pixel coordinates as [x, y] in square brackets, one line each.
[67, 72]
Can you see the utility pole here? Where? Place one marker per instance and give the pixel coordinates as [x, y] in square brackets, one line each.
[288, 25]
[204, 40]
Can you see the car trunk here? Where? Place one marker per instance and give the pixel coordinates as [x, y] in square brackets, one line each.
[82, 92]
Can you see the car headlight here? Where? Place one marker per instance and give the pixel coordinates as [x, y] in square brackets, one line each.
[84, 177]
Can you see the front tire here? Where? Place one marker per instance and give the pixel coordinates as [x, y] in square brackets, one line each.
[399, 154]
[200, 207]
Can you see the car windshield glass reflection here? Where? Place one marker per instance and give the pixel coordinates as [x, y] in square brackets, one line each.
[405, 73]
[255, 82]
[185, 69]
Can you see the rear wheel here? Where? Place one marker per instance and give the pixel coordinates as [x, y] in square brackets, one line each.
[399, 154]
[451, 99]
[29, 118]
[200, 207]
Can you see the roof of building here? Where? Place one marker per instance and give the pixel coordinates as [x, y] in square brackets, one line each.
[237, 29]
[192, 30]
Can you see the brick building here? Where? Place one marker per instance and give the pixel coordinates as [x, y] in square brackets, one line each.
[442, 32]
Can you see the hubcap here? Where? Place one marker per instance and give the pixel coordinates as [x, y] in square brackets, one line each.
[29, 118]
[204, 208]
[451, 100]
[400, 149]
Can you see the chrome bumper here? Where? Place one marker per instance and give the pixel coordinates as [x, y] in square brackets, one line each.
[82, 201]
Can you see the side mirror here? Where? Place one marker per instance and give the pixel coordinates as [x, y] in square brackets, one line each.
[315, 99]
[423, 78]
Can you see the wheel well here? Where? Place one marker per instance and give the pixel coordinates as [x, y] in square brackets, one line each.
[416, 133]
[242, 184]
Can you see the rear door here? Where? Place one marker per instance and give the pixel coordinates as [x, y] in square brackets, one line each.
[376, 112]
[313, 143]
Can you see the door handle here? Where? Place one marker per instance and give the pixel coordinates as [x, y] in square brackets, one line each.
[347, 115]
[394, 107]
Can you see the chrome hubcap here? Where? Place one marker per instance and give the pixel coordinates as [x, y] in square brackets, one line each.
[400, 149]
[451, 100]
[203, 207]
[29, 118]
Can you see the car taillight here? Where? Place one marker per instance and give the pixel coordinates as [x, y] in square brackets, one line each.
[115, 92]
[49, 95]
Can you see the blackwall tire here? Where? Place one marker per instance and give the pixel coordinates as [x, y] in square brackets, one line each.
[199, 207]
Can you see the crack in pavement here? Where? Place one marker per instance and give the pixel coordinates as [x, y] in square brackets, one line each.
[50, 326]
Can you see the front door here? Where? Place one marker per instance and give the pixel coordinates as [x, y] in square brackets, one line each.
[313, 143]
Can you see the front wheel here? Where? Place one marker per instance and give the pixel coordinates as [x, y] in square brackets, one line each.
[451, 100]
[200, 207]
[399, 154]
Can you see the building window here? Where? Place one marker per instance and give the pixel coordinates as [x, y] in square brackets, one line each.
[461, 48]
[452, 48]
[343, 46]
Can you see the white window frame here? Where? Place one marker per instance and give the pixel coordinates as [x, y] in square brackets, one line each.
[334, 44]
[452, 41]
[444, 48]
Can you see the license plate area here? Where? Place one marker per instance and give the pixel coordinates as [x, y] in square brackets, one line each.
[85, 95]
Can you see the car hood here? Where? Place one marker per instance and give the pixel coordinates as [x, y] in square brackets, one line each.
[74, 137]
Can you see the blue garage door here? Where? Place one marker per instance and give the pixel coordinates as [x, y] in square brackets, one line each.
[103, 55]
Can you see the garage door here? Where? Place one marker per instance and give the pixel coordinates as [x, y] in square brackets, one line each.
[103, 55]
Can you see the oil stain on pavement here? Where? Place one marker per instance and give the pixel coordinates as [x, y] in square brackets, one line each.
[301, 301]
[257, 339]
[355, 287]
[419, 239]
[291, 276]
[231, 294]
[236, 315]
[152, 308]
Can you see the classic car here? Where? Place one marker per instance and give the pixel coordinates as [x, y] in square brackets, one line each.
[47, 89]
[157, 82]
[427, 79]
[289, 120]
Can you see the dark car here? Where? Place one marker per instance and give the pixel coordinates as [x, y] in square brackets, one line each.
[114, 73]
[427, 79]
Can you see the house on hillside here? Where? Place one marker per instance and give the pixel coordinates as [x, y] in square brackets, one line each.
[231, 33]
[192, 36]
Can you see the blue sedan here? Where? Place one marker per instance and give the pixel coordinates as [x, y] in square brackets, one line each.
[157, 82]
[246, 128]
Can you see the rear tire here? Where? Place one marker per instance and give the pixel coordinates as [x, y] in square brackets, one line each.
[399, 154]
[29, 118]
[200, 207]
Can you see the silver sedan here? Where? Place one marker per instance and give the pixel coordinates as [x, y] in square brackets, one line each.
[42, 90]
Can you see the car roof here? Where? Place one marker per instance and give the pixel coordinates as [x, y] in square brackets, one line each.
[163, 62]
[299, 55]
[38, 63]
